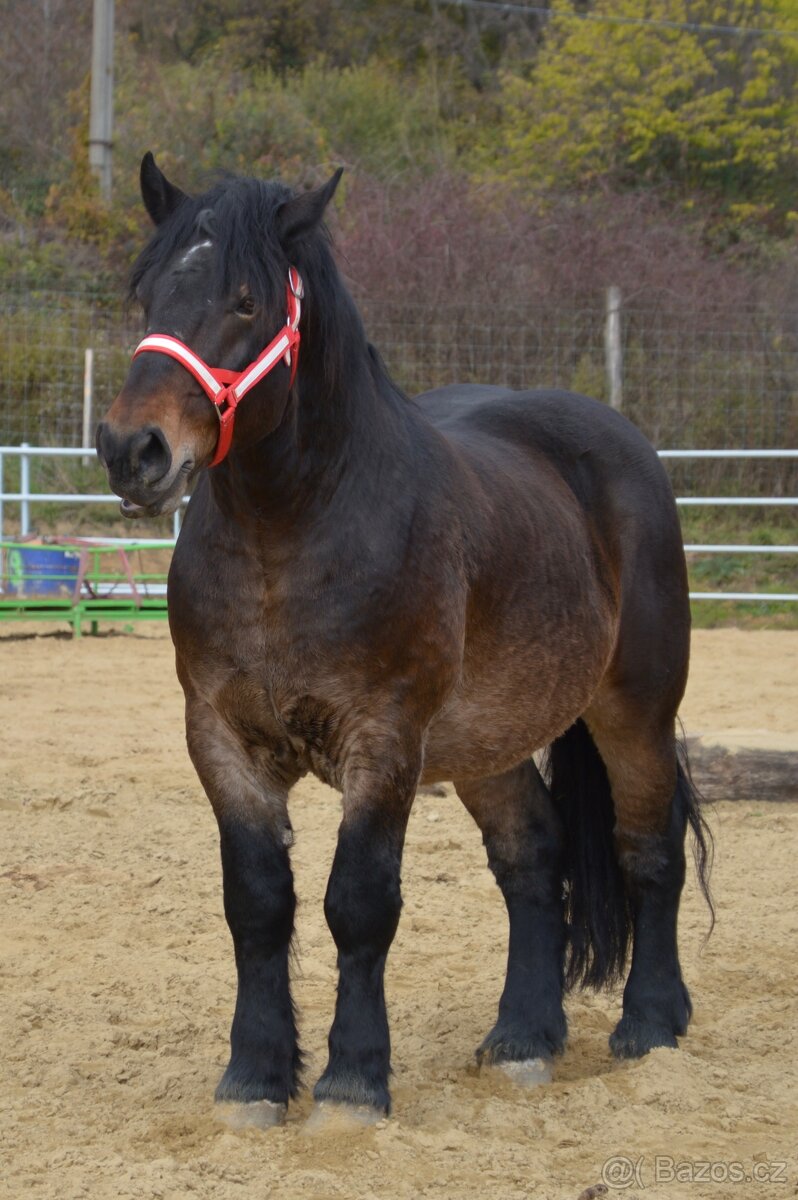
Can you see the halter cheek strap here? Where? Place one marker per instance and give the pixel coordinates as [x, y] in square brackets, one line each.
[226, 389]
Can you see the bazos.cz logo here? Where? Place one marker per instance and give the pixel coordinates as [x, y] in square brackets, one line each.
[622, 1171]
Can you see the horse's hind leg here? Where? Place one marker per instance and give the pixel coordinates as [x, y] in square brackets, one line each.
[523, 839]
[652, 800]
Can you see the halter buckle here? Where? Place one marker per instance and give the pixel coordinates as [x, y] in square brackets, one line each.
[295, 283]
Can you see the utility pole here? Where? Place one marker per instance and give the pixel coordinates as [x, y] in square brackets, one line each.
[101, 120]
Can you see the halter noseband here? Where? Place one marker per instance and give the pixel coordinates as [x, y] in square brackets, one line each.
[225, 389]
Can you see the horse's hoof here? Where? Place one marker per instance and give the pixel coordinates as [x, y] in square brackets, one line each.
[350, 1090]
[526, 1057]
[254, 1114]
[529, 1072]
[329, 1116]
[633, 1037]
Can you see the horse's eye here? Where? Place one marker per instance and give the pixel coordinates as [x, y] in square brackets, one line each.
[246, 306]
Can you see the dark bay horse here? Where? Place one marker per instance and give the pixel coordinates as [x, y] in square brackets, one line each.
[386, 591]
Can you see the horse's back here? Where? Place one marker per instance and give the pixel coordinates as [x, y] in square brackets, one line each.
[563, 426]
[609, 466]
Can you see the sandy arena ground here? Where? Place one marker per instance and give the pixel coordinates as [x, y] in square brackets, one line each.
[118, 974]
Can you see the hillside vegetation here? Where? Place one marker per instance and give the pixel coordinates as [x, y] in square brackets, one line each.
[457, 123]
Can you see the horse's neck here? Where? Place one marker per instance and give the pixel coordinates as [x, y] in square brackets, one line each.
[334, 449]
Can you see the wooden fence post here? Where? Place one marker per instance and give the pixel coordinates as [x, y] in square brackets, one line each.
[613, 347]
[88, 398]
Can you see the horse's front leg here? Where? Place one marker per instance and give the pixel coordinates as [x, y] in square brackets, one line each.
[250, 803]
[362, 907]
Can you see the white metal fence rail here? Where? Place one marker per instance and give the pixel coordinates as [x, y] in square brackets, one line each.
[25, 498]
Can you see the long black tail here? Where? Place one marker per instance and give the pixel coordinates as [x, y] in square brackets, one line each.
[691, 802]
[597, 904]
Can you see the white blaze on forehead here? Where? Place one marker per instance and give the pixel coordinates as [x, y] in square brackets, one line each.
[193, 250]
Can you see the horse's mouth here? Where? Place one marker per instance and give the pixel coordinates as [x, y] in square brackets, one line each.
[161, 508]
[134, 511]
[166, 504]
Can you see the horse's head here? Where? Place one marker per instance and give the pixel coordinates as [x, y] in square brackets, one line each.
[217, 288]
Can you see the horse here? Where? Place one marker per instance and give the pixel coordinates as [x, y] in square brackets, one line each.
[389, 592]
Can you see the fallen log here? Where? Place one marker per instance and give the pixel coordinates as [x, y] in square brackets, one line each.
[743, 773]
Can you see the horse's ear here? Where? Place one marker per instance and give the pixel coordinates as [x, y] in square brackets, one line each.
[160, 197]
[301, 214]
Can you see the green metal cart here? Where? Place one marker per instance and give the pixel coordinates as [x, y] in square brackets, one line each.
[80, 580]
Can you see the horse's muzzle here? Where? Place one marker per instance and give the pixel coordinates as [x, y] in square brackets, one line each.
[136, 463]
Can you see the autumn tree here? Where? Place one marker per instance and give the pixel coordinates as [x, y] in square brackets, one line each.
[664, 99]
[45, 51]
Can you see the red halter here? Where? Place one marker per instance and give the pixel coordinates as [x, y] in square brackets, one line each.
[225, 389]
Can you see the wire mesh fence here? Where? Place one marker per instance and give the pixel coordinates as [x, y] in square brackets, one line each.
[715, 378]
[44, 340]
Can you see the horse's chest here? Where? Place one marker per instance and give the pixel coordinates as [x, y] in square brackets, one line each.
[260, 682]
[298, 731]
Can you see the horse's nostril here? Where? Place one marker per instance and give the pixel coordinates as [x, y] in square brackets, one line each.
[133, 460]
[150, 456]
